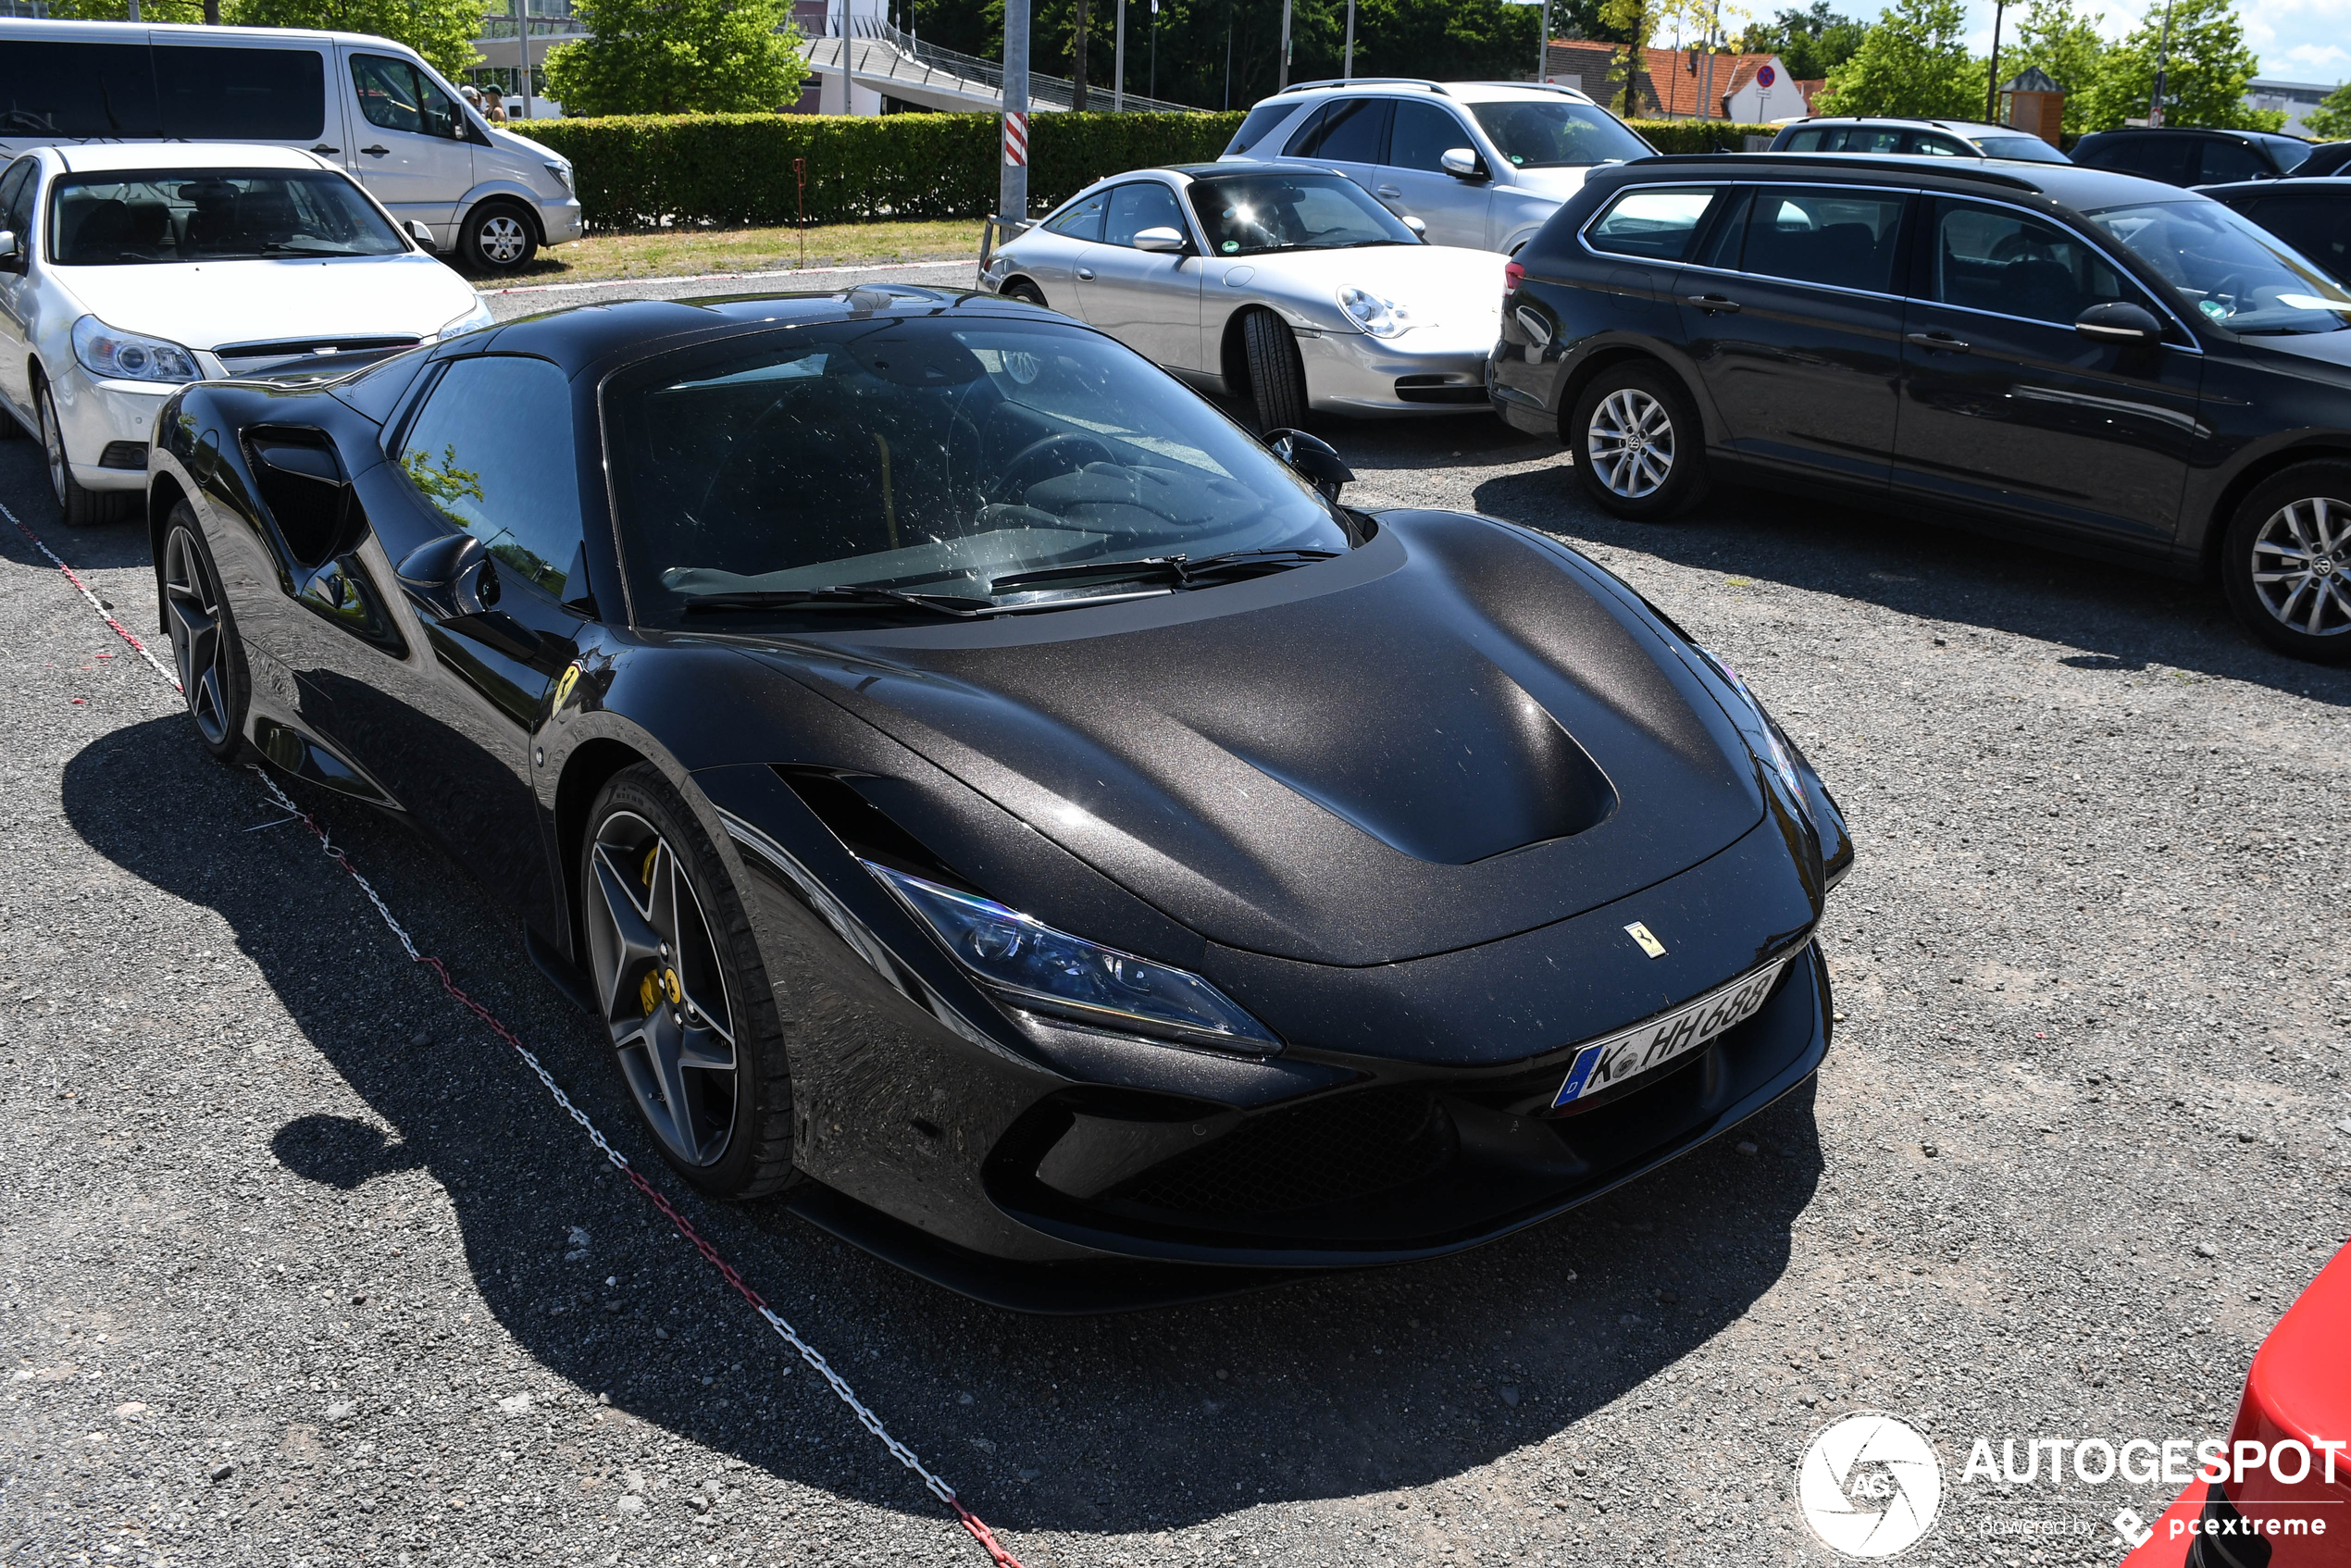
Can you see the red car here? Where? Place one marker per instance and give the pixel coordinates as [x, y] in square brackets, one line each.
[2280, 1497]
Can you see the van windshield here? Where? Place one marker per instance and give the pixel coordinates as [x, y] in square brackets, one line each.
[148, 216]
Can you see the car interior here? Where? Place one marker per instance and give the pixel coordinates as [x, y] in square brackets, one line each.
[115, 220]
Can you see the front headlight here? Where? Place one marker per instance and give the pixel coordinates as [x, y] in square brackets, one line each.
[473, 320]
[114, 355]
[562, 171]
[1380, 318]
[1762, 729]
[1035, 966]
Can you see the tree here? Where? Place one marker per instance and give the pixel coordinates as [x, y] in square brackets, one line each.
[1915, 61]
[2205, 69]
[116, 10]
[678, 56]
[1810, 44]
[442, 31]
[2330, 121]
[2067, 45]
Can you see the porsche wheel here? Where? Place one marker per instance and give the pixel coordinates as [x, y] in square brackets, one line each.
[1637, 444]
[2285, 563]
[684, 996]
[1027, 293]
[77, 506]
[1277, 375]
[497, 237]
[205, 652]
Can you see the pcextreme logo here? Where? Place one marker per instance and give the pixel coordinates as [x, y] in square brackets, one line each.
[1869, 1485]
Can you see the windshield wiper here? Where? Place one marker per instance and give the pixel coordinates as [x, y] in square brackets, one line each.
[1181, 570]
[786, 598]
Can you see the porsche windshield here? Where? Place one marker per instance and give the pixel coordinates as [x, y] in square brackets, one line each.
[2236, 276]
[214, 215]
[1258, 214]
[835, 464]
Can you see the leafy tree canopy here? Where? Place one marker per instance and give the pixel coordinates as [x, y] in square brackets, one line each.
[1914, 61]
[442, 31]
[2330, 121]
[678, 56]
[1811, 43]
[2066, 44]
[2205, 69]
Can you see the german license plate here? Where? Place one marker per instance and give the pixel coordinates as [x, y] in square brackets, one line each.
[1605, 1064]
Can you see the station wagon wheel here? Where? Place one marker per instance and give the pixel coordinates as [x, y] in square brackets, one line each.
[1636, 442]
[681, 990]
[2285, 562]
[205, 653]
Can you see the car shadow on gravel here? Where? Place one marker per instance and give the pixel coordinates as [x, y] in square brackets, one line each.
[1344, 1387]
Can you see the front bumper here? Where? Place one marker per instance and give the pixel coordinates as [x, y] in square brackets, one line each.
[1427, 370]
[102, 422]
[563, 219]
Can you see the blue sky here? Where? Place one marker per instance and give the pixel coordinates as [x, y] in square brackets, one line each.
[2297, 39]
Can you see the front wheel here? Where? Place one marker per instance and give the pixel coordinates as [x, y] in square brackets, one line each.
[2285, 563]
[205, 653]
[1277, 375]
[78, 508]
[1637, 445]
[683, 993]
[497, 237]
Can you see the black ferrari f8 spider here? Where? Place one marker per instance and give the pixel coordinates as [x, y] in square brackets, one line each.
[985, 790]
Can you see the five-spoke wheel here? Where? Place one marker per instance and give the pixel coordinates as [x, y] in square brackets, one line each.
[203, 639]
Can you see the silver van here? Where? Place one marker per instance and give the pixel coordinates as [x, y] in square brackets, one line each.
[1481, 163]
[490, 196]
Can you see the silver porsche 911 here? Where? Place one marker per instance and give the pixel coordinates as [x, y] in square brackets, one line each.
[1284, 283]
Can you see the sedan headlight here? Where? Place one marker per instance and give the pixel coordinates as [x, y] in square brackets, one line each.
[114, 356]
[1033, 966]
[1380, 318]
[471, 321]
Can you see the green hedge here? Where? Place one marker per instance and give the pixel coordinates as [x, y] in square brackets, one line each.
[638, 171]
[1699, 135]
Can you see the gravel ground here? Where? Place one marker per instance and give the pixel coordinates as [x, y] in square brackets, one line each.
[301, 1267]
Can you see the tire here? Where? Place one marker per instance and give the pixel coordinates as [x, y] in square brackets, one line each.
[1022, 288]
[205, 651]
[77, 506]
[668, 941]
[1627, 420]
[2285, 563]
[1277, 375]
[498, 238]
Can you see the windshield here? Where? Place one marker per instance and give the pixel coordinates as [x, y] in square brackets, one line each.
[1563, 134]
[212, 215]
[926, 457]
[2235, 274]
[1256, 214]
[2020, 149]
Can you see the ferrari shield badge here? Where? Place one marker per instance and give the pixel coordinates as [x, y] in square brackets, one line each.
[1638, 932]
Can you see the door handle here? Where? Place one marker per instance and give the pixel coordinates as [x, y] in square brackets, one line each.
[1938, 342]
[1087, 273]
[1389, 191]
[1712, 303]
[329, 152]
[375, 151]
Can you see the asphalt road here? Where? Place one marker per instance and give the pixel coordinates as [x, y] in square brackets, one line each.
[299, 1265]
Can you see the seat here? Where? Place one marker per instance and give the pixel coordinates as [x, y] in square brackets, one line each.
[103, 228]
[266, 214]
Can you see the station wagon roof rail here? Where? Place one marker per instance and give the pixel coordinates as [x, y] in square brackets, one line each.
[1947, 167]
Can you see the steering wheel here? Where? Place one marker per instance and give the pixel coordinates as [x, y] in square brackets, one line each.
[2020, 244]
[1013, 482]
[2230, 288]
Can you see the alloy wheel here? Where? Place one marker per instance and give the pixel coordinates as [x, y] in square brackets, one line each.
[2302, 566]
[53, 444]
[192, 605]
[663, 992]
[504, 240]
[1631, 442]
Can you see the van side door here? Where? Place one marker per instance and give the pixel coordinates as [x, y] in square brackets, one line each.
[411, 143]
[274, 92]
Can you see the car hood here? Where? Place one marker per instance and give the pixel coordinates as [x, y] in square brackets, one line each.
[1453, 734]
[1437, 283]
[1557, 183]
[2332, 349]
[205, 304]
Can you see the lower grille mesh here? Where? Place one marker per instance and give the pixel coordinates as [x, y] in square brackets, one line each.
[1346, 1146]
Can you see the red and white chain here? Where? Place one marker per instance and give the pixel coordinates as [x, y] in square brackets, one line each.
[971, 1523]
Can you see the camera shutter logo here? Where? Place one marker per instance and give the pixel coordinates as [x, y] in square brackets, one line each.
[1868, 1486]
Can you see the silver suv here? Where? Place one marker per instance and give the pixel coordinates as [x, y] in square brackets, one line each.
[1481, 163]
[1929, 137]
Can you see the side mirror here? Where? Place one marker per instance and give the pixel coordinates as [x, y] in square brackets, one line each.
[1417, 227]
[11, 253]
[1316, 462]
[1464, 164]
[2119, 321]
[423, 236]
[1163, 240]
[450, 576]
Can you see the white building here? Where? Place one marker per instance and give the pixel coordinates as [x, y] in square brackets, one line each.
[2297, 98]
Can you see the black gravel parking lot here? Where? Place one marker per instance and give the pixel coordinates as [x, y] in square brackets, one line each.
[300, 1265]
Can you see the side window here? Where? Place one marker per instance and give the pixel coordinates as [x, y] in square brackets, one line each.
[241, 94]
[1302, 140]
[1655, 224]
[2013, 263]
[1842, 238]
[1082, 220]
[1938, 146]
[2319, 228]
[491, 451]
[1355, 131]
[2169, 158]
[16, 201]
[1804, 141]
[1145, 205]
[2224, 160]
[1422, 134]
[1262, 123]
[77, 90]
[396, 96]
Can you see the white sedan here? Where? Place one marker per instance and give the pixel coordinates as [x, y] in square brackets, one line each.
[127, 270]
[1284, 283]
